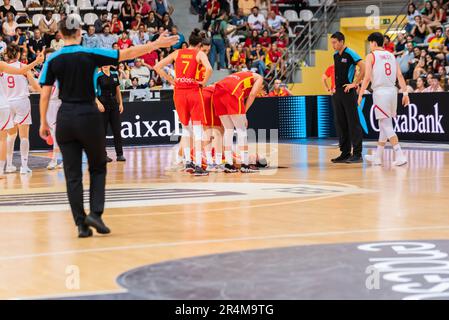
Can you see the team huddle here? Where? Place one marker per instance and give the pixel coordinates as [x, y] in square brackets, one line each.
[209, 115]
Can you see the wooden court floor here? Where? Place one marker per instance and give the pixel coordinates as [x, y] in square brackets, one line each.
[321, 203]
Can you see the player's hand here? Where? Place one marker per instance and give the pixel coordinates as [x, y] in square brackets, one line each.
[350, 86]
[120, 108]
[359, 100]
[40, 58]
[101, 107]
[44, 130]
[405, 101]
[165, 40]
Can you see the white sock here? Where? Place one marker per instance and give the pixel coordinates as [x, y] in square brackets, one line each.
[398, 151]
[380, 151]
[228, 157]
[24, 151]
[244, 156]
[209, 158]
[198, 158]
[187, 155]
[2, 168]
[218, 158]
[10, 149]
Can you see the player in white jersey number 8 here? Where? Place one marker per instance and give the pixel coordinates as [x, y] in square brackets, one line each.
[382, 70]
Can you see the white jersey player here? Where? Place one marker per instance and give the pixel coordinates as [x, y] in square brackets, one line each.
[6, 121]
[17, 93]
[382, 70]
[52, 112]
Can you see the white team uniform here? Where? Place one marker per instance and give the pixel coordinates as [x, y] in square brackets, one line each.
[17, 93]
[53, 108]
[383, 83]
[6, 121]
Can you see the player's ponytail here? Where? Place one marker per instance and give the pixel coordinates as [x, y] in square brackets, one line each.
[12, 51]
[195, 37]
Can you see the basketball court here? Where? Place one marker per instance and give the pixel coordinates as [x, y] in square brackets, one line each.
[299, 231]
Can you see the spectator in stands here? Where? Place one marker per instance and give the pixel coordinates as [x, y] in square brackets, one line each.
[153, 22]
[124, 42]
[167, 22]
[240, 21]
[212, 11]
[406, 60]
[256, 21]
[420, 30]
[141, 38]
[419, 70]
[116, 26]
[265, 40]
[434, 83]
[420, 85]
[252, 41]
[162, 7]
[238, 59]
[279, 90]
[412, 12]
[90, 39]
[282, 39]
[427, 12]
[9, 27]
[400, 44]
[5, 8]
[3, 45]
[151, 58]
[106, 39]
[274, 22]
[246, 6]
[135, 84]
[101, 22]
[275, 58]
[141, 72]
[35, 45]
[21, 38]
[32, 4]
[24, 57]
[137, 22]
[143, 8]
[58, 42]
[439, 15]
[127, 13]
[388, 45]
[258, 59]
[48, 27]
[436, 44]
[124, 76]
[218, 30]
[174, 31]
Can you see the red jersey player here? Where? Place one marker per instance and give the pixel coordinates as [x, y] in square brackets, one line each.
[187, 94]
[233, 96]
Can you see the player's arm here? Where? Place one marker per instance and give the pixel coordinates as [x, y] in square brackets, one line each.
[361, 73]
[6, 68]
[258, 85]
[204, 60]
[159, 67]
[118, 94]
[164, 41]
[324, 80]
[367, 78]
[403, 86]
[33, 83]
[43, 107]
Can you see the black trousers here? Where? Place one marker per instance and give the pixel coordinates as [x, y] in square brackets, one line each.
[348, 123]
[80, 127]
[111, 115]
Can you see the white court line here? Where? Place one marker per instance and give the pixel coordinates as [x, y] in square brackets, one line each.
[73, 294]
[209, 241]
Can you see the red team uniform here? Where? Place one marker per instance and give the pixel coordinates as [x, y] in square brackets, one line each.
[211, 119]
[187, 93]
[231, 92]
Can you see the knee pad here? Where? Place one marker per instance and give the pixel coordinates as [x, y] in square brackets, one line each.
[386, 125]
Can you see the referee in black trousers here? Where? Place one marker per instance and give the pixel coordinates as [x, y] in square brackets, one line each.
[345, 99]
[79, 122]
[110, 104]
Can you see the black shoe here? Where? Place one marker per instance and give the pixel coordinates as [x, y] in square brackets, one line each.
[249, 169]
[200, 172]
[108, 159]
[341, 159]
[84, 231]
[121, 158]
[355, 159]
[93, 220]
[230, 168]
[190, 167]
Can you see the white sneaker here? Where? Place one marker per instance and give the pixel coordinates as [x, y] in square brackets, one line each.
[25, 170]
[211, 168]
[52, 165]
[373, 159]
[60, 166]
[400, 161]
[10, 169]
[219, 168]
